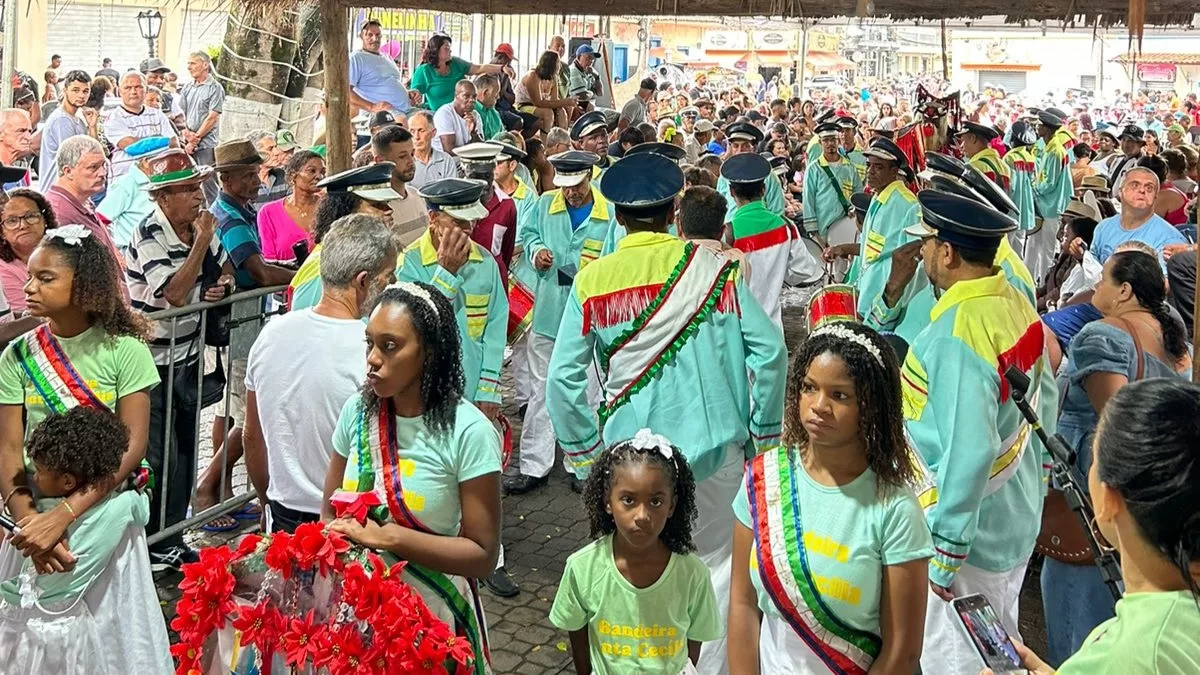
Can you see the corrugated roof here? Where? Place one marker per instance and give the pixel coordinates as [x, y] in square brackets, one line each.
[1176, 58]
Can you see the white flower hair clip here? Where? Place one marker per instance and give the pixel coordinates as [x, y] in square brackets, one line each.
[645, 439]
[413, 289]
[842, 333]
[71, 235]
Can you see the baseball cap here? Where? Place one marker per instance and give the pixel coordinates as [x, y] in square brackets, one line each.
[506, 49]
[285, 139]
[584, 50]
[153, 65]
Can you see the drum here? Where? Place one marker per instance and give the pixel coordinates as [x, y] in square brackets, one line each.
[837, 302]
[520, 308]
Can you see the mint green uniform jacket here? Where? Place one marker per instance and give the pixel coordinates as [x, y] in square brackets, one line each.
[549, 227]
[1052, 187]
[1023, 167]
[702, 400]
[480, 300]
[959, 412]
[822, 207]
[891, 211]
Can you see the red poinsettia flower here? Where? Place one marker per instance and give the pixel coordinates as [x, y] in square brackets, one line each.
[329, 556]
[351, 652]
[431, 654]
[261, 625]
[188, 657]
[458, 648]
[248, 545]
[186, 622]
[363, 591]
[306, 543]
[301, 640]
[278, 556]
[356, 505]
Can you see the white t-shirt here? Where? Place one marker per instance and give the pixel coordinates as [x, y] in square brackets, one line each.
[299, 398]
[447, 121]
[122, 124]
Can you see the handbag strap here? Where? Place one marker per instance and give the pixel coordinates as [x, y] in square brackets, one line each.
[1137, 346]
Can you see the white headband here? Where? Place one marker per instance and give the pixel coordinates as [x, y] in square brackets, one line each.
[839, 331]
[71, 235]
[414, 289]
[645, 439]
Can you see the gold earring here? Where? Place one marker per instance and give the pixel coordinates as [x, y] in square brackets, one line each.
[1101, 541]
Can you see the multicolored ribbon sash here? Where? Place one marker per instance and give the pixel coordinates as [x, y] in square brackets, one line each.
[787, 576]
[377, 446]
[658, 332]
[62, 387]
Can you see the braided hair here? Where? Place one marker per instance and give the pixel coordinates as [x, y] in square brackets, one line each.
[442, 379]
[677, 533]
[877, 388]
[96, 288]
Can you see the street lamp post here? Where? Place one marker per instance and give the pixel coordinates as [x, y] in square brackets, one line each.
[149, 24]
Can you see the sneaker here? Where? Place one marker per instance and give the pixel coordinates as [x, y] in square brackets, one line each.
[172, 558]
[501, 583]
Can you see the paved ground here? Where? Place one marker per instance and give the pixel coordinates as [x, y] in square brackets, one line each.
[540, 530]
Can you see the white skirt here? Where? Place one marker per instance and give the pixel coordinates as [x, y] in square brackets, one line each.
[118, 627]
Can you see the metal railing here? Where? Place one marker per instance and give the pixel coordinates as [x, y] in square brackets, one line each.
[260, 309]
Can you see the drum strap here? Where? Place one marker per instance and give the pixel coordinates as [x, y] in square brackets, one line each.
[837, 188]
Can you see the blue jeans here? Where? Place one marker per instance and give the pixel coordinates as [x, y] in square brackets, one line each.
[1075, 601]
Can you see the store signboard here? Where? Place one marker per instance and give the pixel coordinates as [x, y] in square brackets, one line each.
[1156, 72]
[725, 40]
[774, 40]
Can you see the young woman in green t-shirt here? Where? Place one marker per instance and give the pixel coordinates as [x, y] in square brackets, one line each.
[431, 456]
[831, 549]
[1144, 482]
[91, 351]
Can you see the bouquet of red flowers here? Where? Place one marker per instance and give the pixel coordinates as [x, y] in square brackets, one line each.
[309, 601]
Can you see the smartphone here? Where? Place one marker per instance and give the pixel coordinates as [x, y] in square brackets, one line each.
[992, 642]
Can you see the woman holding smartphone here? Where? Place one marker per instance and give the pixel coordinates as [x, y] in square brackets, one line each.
[1144, 483]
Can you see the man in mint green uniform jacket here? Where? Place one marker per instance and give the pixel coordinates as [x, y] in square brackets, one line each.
[564, 234]
[981, 483]
[744, 137]
[683, 349]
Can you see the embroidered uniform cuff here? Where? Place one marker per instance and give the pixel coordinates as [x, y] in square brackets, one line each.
[882, 317]
[446, 282]
[488, 390]
[766, 436]
[948, 558]
[582, 453]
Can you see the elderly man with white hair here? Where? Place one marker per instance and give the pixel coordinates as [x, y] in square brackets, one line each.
[81, 176]
[291, 412]
[132, 121]
[16, 143]
[202, 102]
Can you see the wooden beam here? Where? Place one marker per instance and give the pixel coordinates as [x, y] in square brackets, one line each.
[335, 39]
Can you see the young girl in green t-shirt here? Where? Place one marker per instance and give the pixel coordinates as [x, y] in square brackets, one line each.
[637, 600]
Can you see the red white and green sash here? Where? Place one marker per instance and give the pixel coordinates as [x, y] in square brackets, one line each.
[50, 371]
[658, 332]
[787, 576]
[377, 447]
[62, 387]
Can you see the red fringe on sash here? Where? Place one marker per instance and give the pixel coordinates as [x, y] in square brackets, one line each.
[623, 306]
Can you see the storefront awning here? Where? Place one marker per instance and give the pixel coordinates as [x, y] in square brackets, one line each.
[827, 61]
[1172, 58]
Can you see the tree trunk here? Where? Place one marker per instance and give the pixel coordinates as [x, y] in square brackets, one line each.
[265, 60]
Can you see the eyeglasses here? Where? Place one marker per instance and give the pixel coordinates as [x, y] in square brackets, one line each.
[15, 222]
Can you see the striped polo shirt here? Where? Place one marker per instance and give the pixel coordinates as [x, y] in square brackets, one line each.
[154, 255]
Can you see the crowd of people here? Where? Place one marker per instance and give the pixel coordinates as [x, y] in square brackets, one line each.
[750, 510]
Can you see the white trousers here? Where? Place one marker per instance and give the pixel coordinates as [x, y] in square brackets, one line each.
[520, 369]
[1040, 248]
[948, 648]
[713, 536]
[537, 436]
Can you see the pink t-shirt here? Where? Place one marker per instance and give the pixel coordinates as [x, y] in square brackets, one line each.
[13, 276]
[279, 232]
